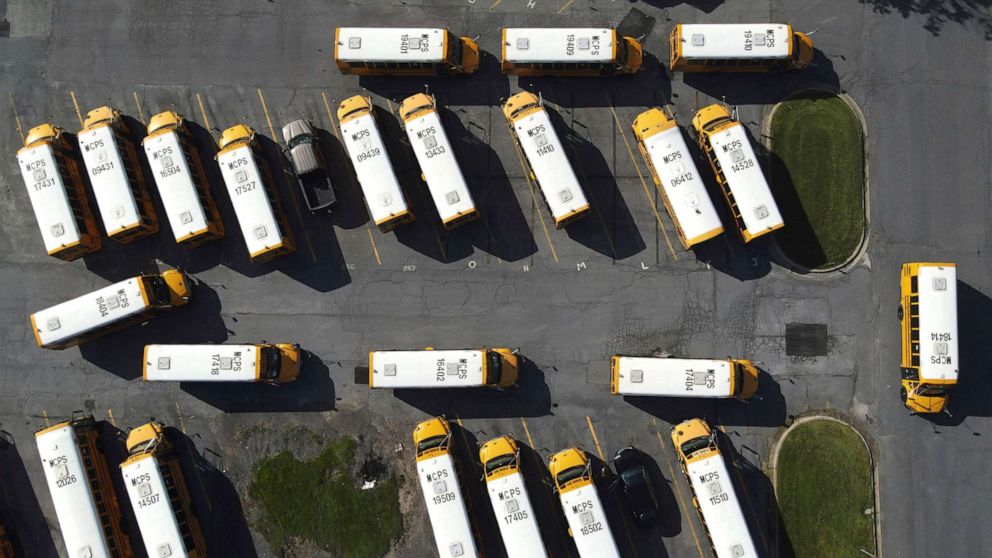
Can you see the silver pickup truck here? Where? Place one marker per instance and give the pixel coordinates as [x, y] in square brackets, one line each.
[308, 164]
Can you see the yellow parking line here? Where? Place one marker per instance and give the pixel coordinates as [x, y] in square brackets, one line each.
[337, 134]
[678, 495]
[565, 6]
[530, 440]
[110, 417]
[282, 165]
[494, 4]
[644, 183]
[79, 115]
[203, 112]
[47, 422]
[533, 196]
[595, 439]
[17, 119]
[740, 482]
[137, 103]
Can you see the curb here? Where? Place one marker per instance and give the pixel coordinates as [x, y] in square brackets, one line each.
[772, 468]
[862, 249]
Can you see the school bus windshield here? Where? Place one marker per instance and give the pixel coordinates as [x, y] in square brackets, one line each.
[494, 368]
[497, 463]
[454, 49]
[158, 291]
[518, 110]
[433, 442]
[694, 445]
[570, 474]
[271, 362]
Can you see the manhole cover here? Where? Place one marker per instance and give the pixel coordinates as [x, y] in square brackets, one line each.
[806, 340]
[635, 24]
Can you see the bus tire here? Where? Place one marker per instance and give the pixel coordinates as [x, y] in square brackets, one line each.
[900, 312]
[903, 394]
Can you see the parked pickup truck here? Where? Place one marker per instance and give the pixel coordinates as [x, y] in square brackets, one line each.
[308, 163]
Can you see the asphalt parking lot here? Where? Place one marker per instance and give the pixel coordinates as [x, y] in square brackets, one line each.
[616, 282]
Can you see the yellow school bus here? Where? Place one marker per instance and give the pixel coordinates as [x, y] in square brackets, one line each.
[563, 51]
[160, 498]
[443, 492]
[404, 51]
[571, 470]
[511, 504]
[109, 309]
[82, 489]
[738, 47]
[114, 171]
[728, 148]
[438, 165]
[544, 155]
[362, 140]
[272, 363]
[58, 197]
[928, 315]
[263, 222]
[182, 184]
[667, 156]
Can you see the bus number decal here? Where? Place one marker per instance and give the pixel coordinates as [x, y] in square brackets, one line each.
[109, 165]
[148, 500]
[944, 336]
[105, 305]
[460, 369]
[368, 154]
[423, 45]
[435, 151]
[682, 179]
[442, 498]
[169, 171]
[542, 151]
[515, 516]
[65, 481]
[42, 184]
[745, 164]
[592, 528]
[719, 498]
[244, 188]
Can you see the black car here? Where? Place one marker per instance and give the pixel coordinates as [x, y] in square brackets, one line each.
[633, 475]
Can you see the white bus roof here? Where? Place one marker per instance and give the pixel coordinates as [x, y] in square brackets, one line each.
[446, 507]
[587, 521]
[390, 44]
[201, 363]
[515, 516]
[105, 168]
[87, 312]
[938, 322]
[547, 158]
[534, 44]
[439, 165]
[250, 200]
[689, 201]
[675, 377]
[152, 508]
[736, 40]
[415, 369]
[48, 197]
[748, 185]
[720, 508]
[67, 482]
[175, 184]
[372, 166]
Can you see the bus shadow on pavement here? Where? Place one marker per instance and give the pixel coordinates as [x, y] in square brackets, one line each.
[757, 498]
[765, 408]
[476, 496]
[647, 88]
[215, 499]
[547, 507]
[973, 394]
[122, 352]
[312, 392]
[502, 229]
[530, 398]
[765, 88]
[20, 510]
